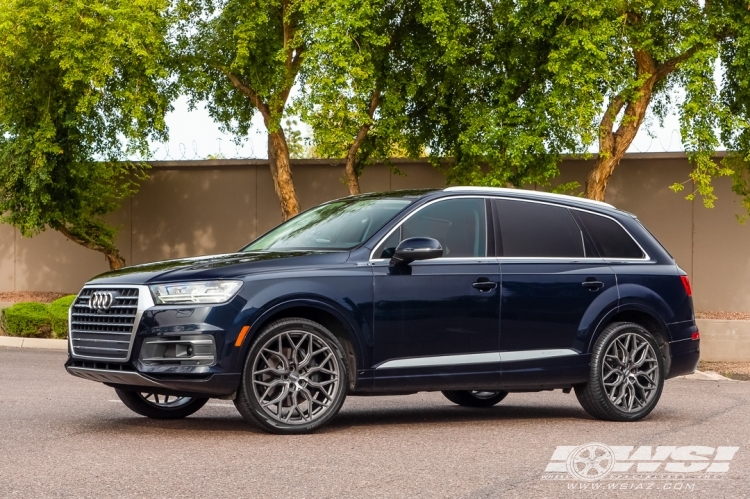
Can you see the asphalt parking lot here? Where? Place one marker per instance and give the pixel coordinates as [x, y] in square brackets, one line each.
[62, 436]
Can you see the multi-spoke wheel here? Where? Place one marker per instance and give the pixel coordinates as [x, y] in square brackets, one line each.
[474, 398]
[295, 377]
[156, 406]
[626, 377]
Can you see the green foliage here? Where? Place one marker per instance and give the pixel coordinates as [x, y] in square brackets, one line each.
[82, 85]
[257, 41]
[30, 320]
[357, 77]
[38, 320]
[510, 85]
[58, 312]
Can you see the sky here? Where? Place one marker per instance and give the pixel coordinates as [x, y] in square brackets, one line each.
[194, 135]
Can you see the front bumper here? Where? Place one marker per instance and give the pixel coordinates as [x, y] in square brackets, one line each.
[124, 377]
[180, 350]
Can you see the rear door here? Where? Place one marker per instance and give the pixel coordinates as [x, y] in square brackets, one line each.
[551, 276]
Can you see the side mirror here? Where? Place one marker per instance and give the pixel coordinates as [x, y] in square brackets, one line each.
[416, 248]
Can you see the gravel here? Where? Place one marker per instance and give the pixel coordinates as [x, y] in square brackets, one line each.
[24, 296]
[733, 370]
[724, 316]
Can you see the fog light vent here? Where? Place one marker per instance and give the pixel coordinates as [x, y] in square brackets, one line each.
[189, 350]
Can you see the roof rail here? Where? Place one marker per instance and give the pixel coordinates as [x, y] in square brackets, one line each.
[540, 194]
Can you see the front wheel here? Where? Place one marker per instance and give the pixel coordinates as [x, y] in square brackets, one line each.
[156, 406]
[626, 377]
[294, 379]
[474, 398]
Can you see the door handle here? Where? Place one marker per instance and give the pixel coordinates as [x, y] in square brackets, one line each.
[592, 284]
[484, 285]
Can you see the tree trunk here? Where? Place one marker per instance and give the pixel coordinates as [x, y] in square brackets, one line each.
[115, 260]
[110, 252]
[613, 144]
[352, 179]
[598, 178]
[281, 171]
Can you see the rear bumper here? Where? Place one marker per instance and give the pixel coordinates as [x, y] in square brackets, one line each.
[210, 385]
[685, 357]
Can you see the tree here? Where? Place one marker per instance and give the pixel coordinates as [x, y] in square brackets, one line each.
[82, 86]
[520, 82]
[357, 78]
[483, 106]
[243, 56]
[658, 55]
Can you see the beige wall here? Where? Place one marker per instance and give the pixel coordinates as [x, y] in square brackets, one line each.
[193, 208]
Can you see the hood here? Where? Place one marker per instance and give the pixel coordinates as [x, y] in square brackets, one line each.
[233, 265]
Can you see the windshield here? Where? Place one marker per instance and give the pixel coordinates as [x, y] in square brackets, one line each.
[338, 225]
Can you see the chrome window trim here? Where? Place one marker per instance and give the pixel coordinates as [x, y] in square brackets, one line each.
[441, 259]
[145, 301]
[645, 259]
[477, 358]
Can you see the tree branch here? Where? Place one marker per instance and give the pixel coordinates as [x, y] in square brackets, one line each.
[252, 94]
[669, 66]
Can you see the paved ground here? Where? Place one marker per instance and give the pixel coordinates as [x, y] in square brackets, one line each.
[61, 436]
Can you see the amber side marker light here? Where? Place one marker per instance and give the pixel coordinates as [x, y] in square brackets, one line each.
[242, 335]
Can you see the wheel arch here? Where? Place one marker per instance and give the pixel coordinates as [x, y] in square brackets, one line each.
[327, 315]
[644, 317]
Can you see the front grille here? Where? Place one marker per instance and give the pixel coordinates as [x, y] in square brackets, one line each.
[104, 334]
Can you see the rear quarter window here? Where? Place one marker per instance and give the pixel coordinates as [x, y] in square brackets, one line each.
[610, 239]
[536, 230]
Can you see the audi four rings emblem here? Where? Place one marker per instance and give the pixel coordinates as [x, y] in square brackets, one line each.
[101, 300]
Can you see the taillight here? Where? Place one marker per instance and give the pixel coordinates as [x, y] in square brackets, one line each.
[696, 335]
[686, 282]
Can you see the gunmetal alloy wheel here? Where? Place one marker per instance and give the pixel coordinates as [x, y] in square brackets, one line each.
[627, 374]
[156, 406]
[295, 377]
[164, 401]
[475, 398]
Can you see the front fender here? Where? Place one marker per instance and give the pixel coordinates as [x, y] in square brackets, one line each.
[345, 317]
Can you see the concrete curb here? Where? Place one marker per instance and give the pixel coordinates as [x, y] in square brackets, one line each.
[45, 343]
[706, 376]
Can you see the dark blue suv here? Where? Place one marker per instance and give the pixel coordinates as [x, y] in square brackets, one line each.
[476, 292]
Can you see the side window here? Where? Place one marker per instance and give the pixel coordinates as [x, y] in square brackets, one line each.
[538, 230]
[610, 239]
[459, 224]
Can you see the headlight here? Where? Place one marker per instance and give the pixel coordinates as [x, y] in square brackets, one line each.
[195, 292]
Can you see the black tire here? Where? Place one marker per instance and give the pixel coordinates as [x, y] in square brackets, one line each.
[627, 385]
[474, 398]
[321, 393]
[181, 408]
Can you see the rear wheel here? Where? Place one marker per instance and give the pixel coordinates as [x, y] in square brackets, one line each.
[627, 374]
[474, 398]
[294, 379]
[156, 406]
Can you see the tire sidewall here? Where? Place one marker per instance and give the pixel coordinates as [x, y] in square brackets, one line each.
[246, 388]
[136, 403]
[603, 344]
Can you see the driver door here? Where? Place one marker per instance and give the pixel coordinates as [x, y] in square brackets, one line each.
[437, 321]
